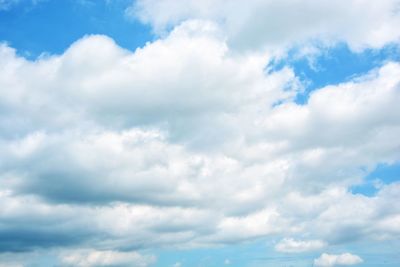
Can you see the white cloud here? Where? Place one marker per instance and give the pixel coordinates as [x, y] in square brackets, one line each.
[91, 258]
[328, 260]
[255, 23]
[291, 245]
[103, 89]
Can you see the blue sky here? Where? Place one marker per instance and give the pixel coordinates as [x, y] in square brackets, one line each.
[187, 133]
[28, 26]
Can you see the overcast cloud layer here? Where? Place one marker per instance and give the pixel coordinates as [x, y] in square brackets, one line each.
[190, 141]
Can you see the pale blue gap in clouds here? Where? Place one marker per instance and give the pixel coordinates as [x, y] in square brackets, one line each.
[261, 254]
[334, 65]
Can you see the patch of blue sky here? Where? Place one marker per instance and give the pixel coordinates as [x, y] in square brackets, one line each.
[249, 254]
[333, 66]
[52, 26]
[374, 254]
[262, 254]
[383, 174]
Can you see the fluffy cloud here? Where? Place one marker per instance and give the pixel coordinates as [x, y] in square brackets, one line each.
[168, 146]
[207, 87]
[255, 23]
[328, 260]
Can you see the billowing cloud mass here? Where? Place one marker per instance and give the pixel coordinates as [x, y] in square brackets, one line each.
[329, 260]
[189, 142]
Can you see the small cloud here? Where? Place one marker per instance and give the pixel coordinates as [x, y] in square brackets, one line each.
[291, 245]
[89, 258]
[330, 260]
[227, 262]
[177, 264]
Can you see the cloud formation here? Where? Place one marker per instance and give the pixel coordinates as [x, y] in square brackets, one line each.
[329, 260]
[100, 131]
[291, 245]
[254, 24]
[186, 142]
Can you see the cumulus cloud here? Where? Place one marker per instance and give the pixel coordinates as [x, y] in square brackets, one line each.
[255, 23]
[291, 245]
[149, 182]
[101, 129]
[345, 259]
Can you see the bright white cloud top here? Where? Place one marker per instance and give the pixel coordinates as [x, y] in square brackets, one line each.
[293, 246]
[191, 141]
[266, 23]
[345, 259]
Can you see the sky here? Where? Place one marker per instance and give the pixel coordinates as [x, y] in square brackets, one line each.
[186, 133]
